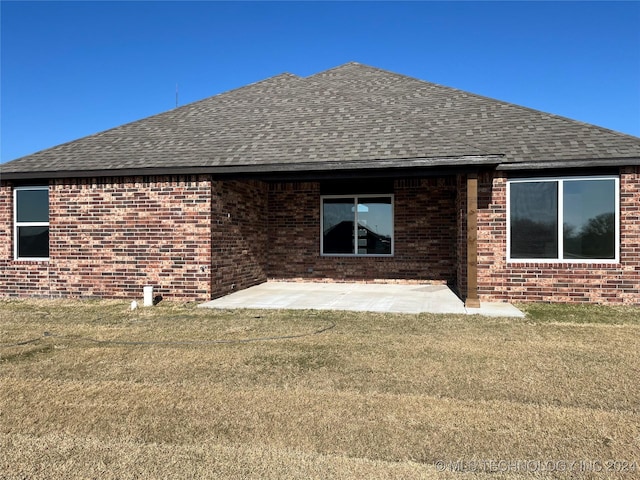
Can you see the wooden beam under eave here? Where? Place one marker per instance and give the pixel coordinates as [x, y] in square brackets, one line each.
[471, 299]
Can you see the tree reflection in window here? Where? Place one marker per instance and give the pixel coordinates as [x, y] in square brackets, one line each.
[589, 219]
[586, 209]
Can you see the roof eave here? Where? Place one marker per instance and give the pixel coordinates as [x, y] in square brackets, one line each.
[469, 161]
[571, 163]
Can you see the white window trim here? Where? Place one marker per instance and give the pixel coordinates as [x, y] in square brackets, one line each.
[17, 224]
[355, 226]
[560, 181]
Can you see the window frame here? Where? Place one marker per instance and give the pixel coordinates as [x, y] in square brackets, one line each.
[356, 199]
[560, 181]
[17, 224]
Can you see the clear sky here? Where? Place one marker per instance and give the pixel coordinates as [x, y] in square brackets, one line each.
[70, 69]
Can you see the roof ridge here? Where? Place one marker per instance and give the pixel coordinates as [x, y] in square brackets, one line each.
[509, 104]
[493, 99]
[558, 117]
[408, 117]
[156, 115]
[337, 67]
[379, 69]
[521, 107]
[352, 112]
[225, 92]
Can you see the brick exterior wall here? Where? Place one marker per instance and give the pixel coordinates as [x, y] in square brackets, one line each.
[425, 224]
[195, 238]
[238, 236]
[6, 221]
[559, 282]
[111, 236]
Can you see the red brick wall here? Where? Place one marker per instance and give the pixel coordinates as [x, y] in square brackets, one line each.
[193, 238]
[294, 231]
[110, 237]
[425, 224]
[564, 282]
[238, 236]
[6, 220]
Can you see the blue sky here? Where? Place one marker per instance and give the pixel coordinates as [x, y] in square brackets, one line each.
[70, 69]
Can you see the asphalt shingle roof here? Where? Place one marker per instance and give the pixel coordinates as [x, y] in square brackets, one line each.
[351, 116]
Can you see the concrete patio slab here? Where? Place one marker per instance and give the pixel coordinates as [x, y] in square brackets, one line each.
[365, 297]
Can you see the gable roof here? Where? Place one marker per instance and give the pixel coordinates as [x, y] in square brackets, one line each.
[349, 117]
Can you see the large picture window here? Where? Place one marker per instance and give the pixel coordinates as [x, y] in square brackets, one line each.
[31, 223]
[565, 219]
[357, 225]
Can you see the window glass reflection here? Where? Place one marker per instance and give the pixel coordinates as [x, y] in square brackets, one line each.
[33, 242]
[534, 220]
[375, 226]
[589, 219]
[32, 205]
[338, 221]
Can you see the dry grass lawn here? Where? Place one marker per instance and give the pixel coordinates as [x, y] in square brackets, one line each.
[93, 390]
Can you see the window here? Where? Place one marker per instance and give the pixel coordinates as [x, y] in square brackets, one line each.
[566, 219]
[31, 220]
[361, 225]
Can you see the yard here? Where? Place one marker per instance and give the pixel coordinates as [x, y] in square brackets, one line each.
[94, 390]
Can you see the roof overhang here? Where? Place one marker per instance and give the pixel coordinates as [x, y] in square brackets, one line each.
[572, 163]
[324, 169]
[329, 169]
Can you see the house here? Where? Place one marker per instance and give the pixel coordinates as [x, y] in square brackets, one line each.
[351, 174]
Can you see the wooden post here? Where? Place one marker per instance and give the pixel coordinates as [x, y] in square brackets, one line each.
[472, 300]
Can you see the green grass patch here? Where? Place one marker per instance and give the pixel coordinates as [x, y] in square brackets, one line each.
[565, 313]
